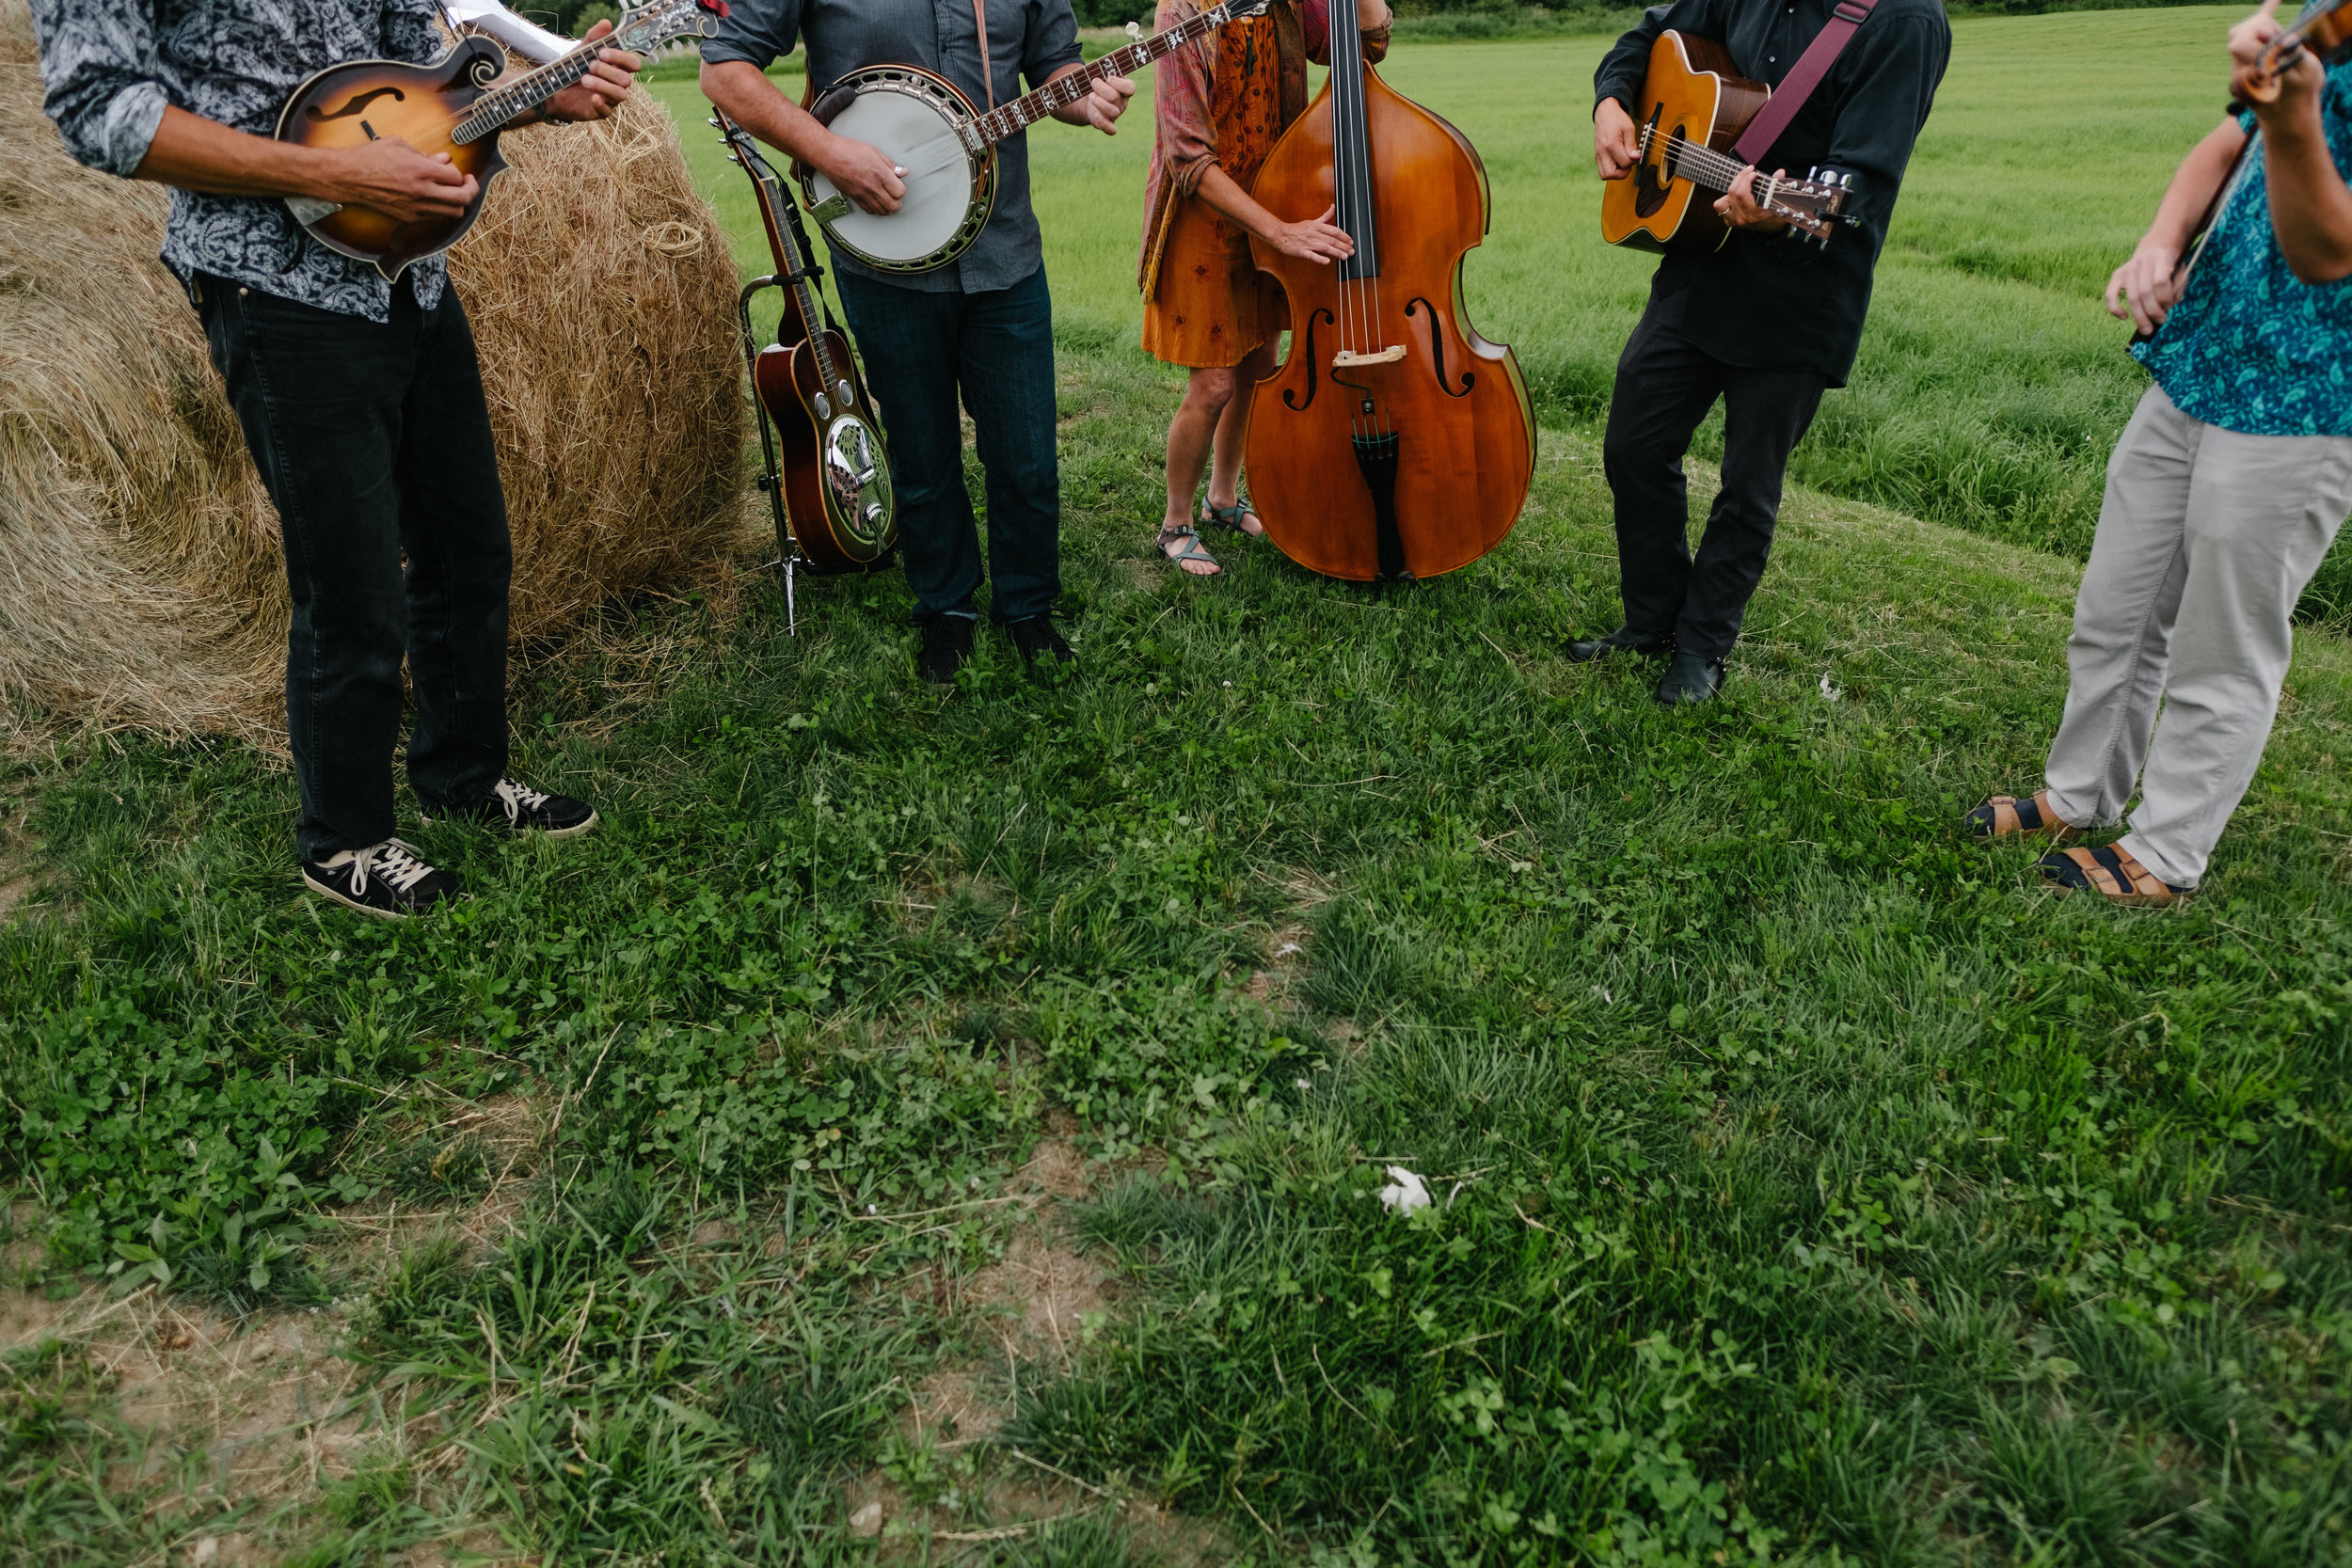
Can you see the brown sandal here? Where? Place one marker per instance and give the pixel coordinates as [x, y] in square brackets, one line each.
[2006, 816]
[2111, 873]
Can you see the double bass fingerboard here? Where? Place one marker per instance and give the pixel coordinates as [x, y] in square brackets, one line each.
[1351, 145]
[1012, 118]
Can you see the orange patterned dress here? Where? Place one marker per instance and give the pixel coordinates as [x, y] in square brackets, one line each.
[1209, 305]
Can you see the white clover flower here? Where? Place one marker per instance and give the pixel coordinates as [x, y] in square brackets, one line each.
[1829, 693]
[1404, 1194]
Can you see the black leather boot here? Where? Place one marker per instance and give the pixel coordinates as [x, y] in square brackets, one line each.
[1625, 640]
[1690, 678]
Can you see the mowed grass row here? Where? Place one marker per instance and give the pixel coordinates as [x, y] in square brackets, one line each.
[1992, 381]
[1810, 1189]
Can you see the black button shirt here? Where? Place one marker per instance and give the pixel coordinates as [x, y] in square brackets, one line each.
[1773, 301]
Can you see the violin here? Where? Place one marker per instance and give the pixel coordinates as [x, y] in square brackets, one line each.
[2324, 32]
[2327, 29]
[1393, 442]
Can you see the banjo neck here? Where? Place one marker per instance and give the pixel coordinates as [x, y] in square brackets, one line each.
[1010, 120]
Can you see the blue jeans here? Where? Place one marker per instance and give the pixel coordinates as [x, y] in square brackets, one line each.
[375, 443]
[997, 348]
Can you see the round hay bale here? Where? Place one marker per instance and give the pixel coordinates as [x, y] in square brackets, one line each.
[140, 578]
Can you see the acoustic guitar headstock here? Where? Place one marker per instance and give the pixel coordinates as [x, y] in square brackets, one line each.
[1814, 206]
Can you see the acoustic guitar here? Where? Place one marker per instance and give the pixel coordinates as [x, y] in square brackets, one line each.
[456, 105]
[1694, 104]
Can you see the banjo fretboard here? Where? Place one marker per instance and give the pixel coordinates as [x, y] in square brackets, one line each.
[1011, 119]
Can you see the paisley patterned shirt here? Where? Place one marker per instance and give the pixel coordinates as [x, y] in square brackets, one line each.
[2249, 347]
[110, 67]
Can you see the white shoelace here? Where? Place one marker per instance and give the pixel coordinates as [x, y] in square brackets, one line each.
[397, 865]
[517, 799]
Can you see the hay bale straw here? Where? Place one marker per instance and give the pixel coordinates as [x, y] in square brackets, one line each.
[140, 578]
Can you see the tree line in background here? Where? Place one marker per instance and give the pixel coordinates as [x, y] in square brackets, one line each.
[1451, 18]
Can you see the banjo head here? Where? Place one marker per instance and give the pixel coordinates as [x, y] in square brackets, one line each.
[919, 122]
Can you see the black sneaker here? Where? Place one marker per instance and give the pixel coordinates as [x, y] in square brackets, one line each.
[514, 804]
[947, 643]
[1625, 640]
[1037, 638]
[389, 880]
[1690, 678]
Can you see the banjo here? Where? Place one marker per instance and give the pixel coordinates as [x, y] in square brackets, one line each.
[946, 149]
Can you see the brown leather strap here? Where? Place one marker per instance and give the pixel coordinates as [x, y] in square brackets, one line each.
[988, 67]
[1798, 85]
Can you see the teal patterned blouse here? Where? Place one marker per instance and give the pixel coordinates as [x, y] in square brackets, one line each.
[2248, 347]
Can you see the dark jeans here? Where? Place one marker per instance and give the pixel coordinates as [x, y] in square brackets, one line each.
[997, 349]
[1665, 385]
[374, 442]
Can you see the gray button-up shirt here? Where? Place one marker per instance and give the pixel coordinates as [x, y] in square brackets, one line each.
[110, 67]
[1027, 39]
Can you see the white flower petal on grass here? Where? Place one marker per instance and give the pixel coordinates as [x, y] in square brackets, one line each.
[1405, 1193]
[1829, 693]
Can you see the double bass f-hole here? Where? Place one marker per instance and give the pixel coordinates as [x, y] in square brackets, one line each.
[1437, 348]
[1313, 361]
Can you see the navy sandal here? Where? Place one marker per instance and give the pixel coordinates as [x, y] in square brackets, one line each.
[2006, 816]
[2111, 873]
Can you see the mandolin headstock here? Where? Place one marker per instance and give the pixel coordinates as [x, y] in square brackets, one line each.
[646, 28]
[1814, 206]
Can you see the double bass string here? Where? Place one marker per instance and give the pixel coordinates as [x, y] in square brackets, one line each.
[1360, 305]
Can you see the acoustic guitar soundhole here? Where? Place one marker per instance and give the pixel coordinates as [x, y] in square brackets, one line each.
[1650, 191]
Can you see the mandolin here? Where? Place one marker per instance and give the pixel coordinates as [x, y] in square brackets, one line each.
[1693, 107]
[456, 105]
[945, 146]
[831, 482]
[1393, 442]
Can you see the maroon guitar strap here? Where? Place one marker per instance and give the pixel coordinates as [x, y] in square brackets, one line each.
[1803, 78]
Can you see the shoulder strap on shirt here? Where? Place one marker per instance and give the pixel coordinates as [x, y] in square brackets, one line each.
[1798, 84]
[988, 65]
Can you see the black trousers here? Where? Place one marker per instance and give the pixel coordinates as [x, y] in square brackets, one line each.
[1665, 385]
[374, 442]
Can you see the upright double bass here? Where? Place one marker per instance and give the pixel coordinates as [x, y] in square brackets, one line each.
[1393, 442]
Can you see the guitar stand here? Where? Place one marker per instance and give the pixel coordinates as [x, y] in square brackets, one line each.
[770, 481]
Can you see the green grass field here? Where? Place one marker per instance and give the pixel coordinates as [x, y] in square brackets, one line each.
[958, 1115]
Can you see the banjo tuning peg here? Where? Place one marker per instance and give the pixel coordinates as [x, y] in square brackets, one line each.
[1134, 32]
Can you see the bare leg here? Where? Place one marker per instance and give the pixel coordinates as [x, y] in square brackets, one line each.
[1190, 437]
[1232, 428]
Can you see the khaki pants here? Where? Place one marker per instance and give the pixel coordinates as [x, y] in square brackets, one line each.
[2207, 539]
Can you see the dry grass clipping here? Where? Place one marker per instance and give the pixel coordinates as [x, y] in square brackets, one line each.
[140, 581]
